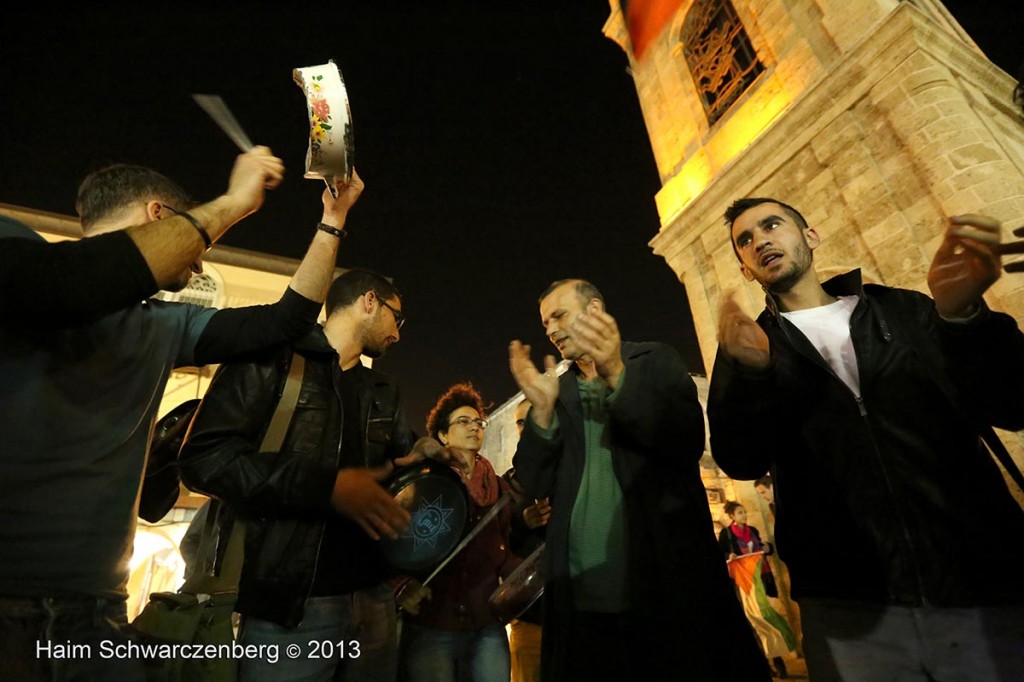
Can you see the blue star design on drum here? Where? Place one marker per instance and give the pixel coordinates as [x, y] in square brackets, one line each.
[428, 523]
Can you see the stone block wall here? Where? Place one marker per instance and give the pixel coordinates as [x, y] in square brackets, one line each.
[877, 121]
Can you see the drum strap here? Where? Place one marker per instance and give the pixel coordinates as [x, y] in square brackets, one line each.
[273, 439]
[997, 448]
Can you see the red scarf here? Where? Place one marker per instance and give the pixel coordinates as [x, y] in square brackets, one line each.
[744, 536]
[483, 484]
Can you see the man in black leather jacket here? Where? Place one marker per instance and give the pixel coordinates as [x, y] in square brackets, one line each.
[314, 510]
[867, 402]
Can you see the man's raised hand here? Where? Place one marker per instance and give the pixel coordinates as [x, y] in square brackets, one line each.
[541, 389]
[740, 337]
[597, 335]
[358, 496]
[255, 171]
[965, 265]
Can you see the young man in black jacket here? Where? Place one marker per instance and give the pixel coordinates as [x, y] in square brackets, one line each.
[314, 510]
[867, 402]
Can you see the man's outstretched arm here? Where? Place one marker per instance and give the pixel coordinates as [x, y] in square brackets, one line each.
[70, 283]
[236, 334]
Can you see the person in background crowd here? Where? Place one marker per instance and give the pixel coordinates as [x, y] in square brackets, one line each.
[529, 527]
[740, 539]
[449, 631]
[766, 489]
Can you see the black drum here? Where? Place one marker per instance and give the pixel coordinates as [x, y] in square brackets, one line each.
[437, 500]
[522, 587]
[161, 483]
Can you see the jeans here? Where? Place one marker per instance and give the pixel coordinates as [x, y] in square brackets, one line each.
[432, 655]
[65, 639]
[351, 637]
[852, 642]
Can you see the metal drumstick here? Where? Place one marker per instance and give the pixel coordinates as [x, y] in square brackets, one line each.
[222, 116]
[472, 534]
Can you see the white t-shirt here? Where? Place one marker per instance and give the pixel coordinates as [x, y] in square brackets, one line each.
[827, 327]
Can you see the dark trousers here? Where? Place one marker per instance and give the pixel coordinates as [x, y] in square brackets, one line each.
[65, 639]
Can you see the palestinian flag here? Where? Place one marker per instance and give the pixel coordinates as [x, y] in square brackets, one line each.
[777, 637]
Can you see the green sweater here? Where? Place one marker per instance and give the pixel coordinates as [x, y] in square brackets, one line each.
[598, 540]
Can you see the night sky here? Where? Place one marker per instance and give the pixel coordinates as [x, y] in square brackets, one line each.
[501, 149]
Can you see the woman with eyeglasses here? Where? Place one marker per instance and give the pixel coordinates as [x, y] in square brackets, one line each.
[449, 631]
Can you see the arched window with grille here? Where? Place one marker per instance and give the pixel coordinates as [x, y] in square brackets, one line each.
[718, 51]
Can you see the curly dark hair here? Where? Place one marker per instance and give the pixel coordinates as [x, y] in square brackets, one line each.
[731, 507]
[459, 395]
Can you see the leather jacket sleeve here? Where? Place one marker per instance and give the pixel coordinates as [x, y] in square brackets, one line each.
[657, 404]
[986, 361]
[221, 455]
[402, 437]
[536, 459]
[741, 409]
[243, 334]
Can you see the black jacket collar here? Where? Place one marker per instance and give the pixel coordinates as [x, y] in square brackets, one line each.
[847, 284]
[314, 342]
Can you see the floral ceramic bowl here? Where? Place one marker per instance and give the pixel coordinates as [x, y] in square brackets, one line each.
[331, 150]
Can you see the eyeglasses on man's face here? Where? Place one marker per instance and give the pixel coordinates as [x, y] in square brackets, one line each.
[466, 421]
[399, 317]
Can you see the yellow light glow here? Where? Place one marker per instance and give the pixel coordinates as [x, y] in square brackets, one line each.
[748, 123]
[682, 188]
[745, 126]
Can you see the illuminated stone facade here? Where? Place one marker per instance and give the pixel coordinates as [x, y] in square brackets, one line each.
[876, 118]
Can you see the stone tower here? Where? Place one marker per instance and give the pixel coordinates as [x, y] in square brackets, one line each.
[876, 118]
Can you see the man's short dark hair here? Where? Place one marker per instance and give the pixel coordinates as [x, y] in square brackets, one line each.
[108, 190]
[459, 395]
[741, 206]
[731, 507]
[352, 284]
[584, 290]
[766, 481]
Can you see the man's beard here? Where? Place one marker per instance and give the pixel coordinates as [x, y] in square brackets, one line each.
[179, 284]
[785, 282]
[374, 344]
[801, 263]
[374, 351]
